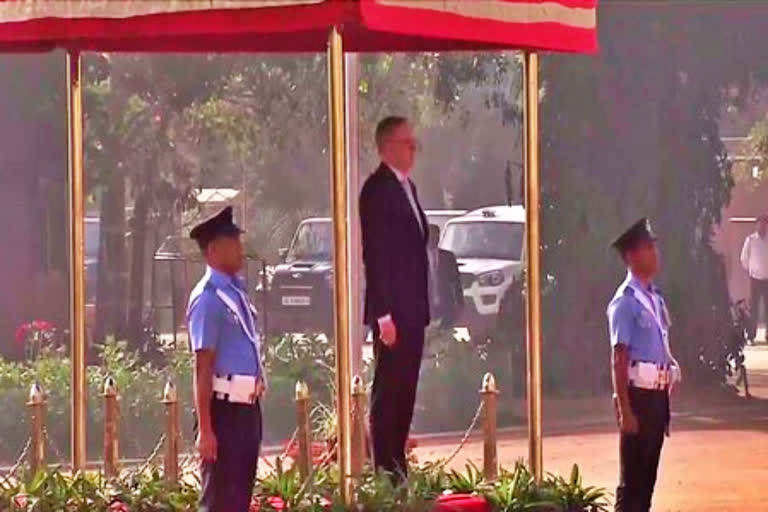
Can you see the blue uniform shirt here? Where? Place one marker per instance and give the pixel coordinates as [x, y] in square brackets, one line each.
[220, 318]
[640, 322]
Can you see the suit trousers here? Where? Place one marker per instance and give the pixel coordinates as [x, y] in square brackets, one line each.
[227, 483]
[393, 397]
[639, 453]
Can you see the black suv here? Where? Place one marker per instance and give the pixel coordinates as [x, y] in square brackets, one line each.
[300, 297]
[300, 289]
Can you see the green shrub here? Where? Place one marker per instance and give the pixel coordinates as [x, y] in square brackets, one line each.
[513, 491]
[140, 387]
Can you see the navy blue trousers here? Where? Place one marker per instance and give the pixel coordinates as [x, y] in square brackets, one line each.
[639, 453]
[393, 397]
[227, 483]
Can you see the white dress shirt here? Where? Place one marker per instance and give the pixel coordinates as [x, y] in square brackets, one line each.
[405, 181]
[754, 256]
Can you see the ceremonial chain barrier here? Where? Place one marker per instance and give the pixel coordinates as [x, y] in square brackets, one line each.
[308, 456]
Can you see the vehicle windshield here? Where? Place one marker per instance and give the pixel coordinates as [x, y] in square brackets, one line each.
[439, 219]
[495, 240]
[313, 242]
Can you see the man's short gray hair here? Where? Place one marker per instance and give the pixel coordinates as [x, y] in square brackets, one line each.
[386, 126]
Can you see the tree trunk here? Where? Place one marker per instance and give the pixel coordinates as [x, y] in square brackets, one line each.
[138, 249]
[112, 272]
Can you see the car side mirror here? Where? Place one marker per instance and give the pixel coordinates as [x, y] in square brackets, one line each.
[283, 253]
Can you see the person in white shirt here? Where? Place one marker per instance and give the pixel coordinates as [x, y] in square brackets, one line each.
[754, 259]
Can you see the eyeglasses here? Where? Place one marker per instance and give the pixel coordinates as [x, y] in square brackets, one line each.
[414, 144]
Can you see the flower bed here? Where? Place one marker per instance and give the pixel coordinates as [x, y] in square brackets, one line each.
[428, 488]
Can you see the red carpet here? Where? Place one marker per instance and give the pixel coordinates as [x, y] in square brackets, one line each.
[462, 503]
[448, 503]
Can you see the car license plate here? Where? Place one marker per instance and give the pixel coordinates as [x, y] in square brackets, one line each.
[296, 301]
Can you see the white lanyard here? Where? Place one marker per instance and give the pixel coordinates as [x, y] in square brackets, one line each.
[648, 304]
[236, 310]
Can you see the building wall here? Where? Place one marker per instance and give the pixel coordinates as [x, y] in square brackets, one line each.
[747, 200]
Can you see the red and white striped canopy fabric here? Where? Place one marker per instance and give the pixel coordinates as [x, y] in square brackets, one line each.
[297, 25]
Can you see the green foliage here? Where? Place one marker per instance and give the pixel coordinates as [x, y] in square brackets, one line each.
[465, 482]
[376, 492]
[291, 358]
[455, 369]
[516, 491]
[632, 132]
[140, 387]
[56, 490]
[283, 483]
[571, 494]
[513, 491]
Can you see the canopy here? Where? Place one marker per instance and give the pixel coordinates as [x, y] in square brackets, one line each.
[297, 25]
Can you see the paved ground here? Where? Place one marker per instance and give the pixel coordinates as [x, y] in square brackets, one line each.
[715, 461]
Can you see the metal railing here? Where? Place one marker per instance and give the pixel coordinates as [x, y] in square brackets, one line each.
[298, 448]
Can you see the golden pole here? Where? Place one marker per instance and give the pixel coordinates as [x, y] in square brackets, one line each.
[533, 285]
[304, 434]
[358, 427]
[341, 234]
[171, 459]
[111, 428]
[490, 394]
[36, 405]
[76, 257]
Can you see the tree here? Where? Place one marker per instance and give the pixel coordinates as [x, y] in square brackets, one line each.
[134, 111]
[633, 131]
[160, 126]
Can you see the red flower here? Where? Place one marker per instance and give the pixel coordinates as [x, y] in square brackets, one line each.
[21, 333]
[276, 502]
[42, 325]
[21, 501]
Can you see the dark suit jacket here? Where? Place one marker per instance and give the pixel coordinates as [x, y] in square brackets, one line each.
[448, 288]
[394, 252]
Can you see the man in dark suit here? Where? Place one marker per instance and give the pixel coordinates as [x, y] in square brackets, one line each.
[394, 236]
[446, 297]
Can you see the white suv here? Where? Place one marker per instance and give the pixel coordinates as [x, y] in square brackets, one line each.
[488, 244]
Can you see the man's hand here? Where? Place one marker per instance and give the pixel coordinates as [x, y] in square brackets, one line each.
[387, 331]
[628, 423]
[261, 388]
[207, 445]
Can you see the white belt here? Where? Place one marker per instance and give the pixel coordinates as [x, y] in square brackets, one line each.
[652, 376]
[238, 389]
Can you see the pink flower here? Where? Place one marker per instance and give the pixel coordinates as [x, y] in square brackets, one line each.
[276, 502]
[118, 506]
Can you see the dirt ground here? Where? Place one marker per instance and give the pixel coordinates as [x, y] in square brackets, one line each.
[716, 459]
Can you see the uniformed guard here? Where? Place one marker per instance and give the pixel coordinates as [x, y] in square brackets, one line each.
[643, 368]
[229, 378]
